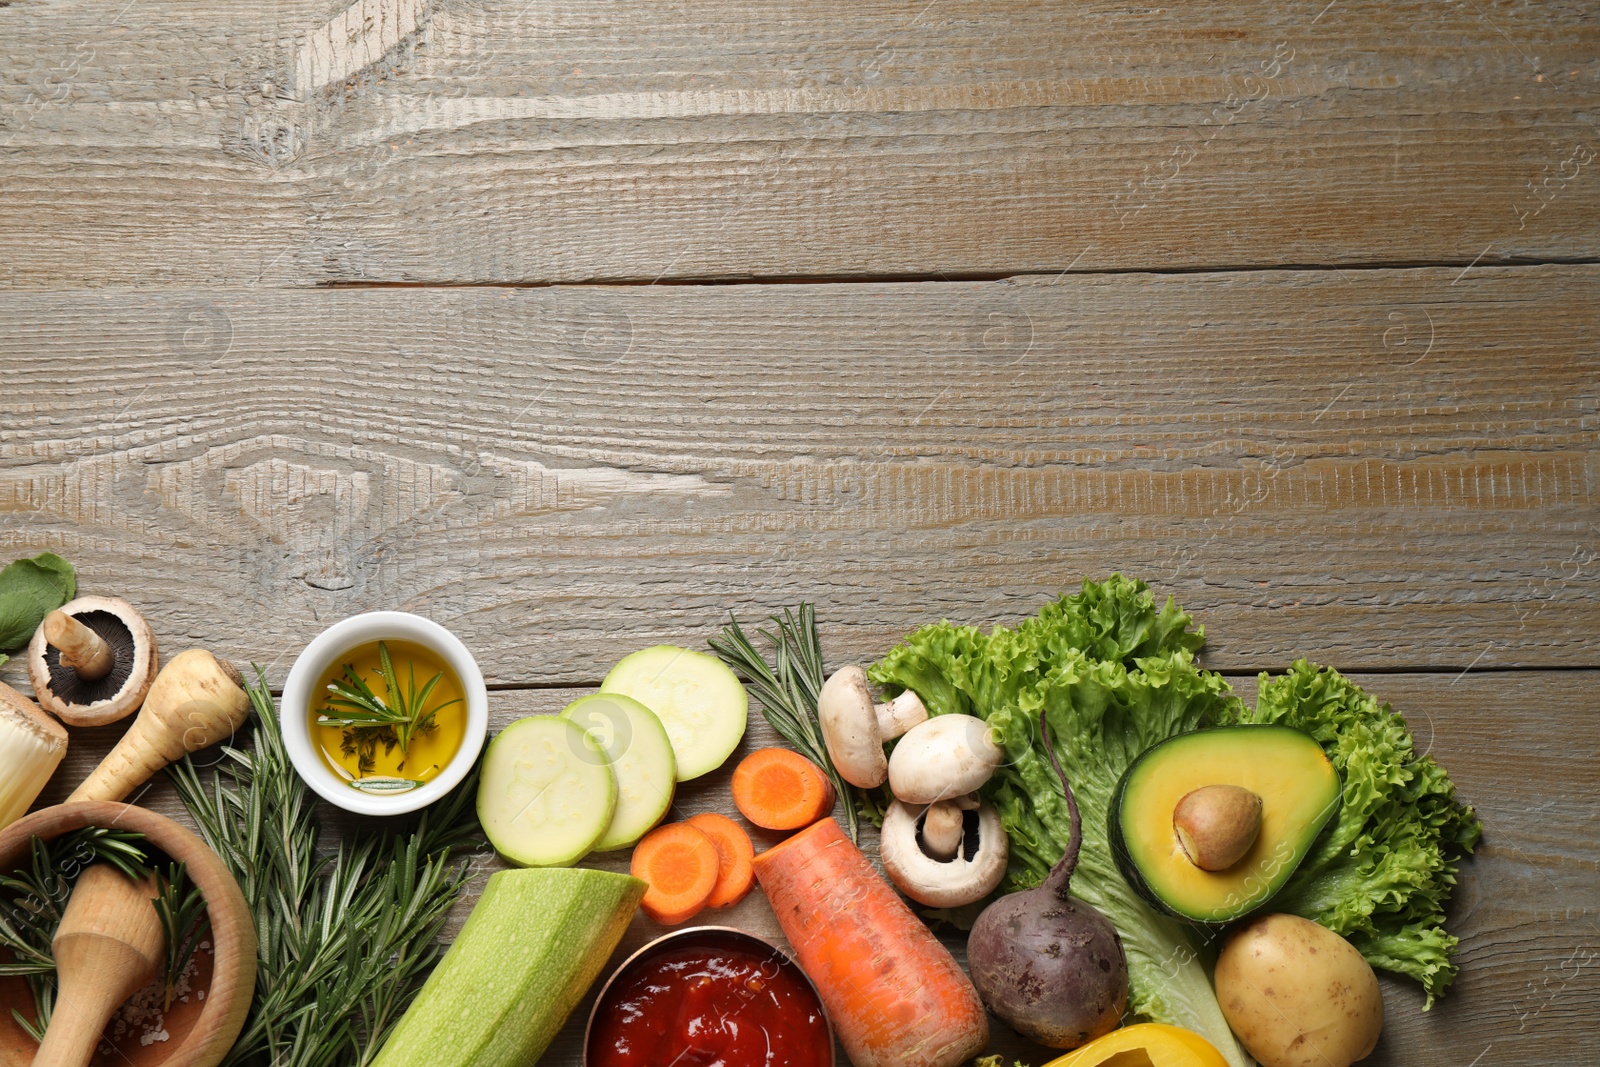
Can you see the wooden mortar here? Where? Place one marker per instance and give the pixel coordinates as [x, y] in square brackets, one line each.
[200, 1032]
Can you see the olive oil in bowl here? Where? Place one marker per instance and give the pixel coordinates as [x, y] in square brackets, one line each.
[388, 716]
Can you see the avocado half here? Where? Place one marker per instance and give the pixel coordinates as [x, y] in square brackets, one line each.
[1299, 790]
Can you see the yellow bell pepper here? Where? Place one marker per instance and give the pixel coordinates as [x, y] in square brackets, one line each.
[1163, 1046]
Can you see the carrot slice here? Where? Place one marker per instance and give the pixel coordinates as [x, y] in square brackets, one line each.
[680, 864]
[736, 875]
[781, 790]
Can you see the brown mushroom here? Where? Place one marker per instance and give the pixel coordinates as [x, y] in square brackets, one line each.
[92, 661]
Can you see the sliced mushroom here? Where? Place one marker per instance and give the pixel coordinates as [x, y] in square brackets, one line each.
[854, 728]
[970, 875]
[92, 661]
[944, 757]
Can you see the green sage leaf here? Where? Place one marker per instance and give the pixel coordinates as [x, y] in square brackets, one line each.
[30, 589]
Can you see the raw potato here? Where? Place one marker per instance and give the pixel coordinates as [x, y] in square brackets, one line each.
[1298, 995]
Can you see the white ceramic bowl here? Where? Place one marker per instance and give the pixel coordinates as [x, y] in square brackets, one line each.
[339, 640]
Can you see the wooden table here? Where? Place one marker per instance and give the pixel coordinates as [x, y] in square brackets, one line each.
[575, 325]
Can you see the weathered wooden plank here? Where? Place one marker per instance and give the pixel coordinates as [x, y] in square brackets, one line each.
[477, 140]
[1521, 746]
[1390, 470]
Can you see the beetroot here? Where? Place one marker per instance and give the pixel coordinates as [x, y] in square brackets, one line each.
[1045, 962]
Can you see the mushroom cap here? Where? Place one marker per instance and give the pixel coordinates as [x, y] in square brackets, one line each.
[850, 728]
[944, 757]
[77, 701]
[972, 875]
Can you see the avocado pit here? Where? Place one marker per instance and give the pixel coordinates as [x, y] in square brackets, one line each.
[1217, 824]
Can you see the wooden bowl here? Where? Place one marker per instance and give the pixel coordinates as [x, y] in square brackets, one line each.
[200, 1031]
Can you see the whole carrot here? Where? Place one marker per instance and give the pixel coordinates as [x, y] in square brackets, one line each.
[896, 996]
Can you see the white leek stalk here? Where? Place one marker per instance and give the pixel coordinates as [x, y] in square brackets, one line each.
[31, 746]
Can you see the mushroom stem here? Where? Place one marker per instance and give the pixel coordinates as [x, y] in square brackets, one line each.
[899, 715]
[941, 830]
[85, 651]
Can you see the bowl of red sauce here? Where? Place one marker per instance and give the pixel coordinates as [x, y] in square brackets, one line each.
[708, 996]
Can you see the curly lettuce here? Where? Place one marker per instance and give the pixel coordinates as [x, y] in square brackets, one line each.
[1114, 674]
[1381, 874]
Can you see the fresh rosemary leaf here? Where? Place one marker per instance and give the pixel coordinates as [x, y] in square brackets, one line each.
[181, 908]
[345, 939]
[787, 688]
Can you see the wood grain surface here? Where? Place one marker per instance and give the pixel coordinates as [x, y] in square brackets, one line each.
[1290, 310]
[447, 141]
[1386, 470]
[1521, 747]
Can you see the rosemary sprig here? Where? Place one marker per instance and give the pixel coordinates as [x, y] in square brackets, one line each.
[404, 714]
[345, 939]
[787, 689]
[185, 922]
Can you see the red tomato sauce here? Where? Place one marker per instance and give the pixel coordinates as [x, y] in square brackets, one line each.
[710, 1007]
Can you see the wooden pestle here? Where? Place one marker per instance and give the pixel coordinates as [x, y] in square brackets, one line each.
[107, 948]
[81, 648]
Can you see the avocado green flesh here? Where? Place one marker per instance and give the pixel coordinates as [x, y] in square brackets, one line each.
[1299, 791]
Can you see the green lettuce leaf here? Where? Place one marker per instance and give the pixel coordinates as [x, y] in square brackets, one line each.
[1114, 675]
[1382, 872]
[30, 589]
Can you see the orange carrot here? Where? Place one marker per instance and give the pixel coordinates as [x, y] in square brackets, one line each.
[895, 994]
[781, 790]
[680, 863]
[735, 853]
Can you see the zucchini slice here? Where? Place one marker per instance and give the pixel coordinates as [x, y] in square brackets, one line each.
[547, 792]
[697, 698]
[641, 758]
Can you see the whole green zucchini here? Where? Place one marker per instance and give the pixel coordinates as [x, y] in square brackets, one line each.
[528, 953]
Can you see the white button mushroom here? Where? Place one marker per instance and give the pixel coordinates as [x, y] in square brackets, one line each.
[899, 715]
[943, 825]
[944, 757]
[943, 883]
[854, 728]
